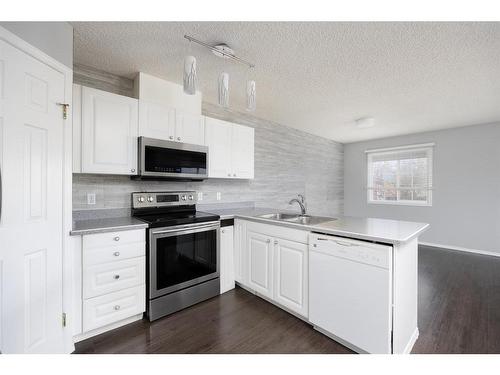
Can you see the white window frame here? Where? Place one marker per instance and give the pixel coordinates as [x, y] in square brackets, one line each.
[427, 147]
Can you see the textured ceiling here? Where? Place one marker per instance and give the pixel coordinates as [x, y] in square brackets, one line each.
[319, 77]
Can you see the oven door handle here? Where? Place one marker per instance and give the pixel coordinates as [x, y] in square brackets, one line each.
[190, 229]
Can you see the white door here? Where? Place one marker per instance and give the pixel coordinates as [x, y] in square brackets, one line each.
[260, 263]
[31, 162]
[242, 151]
[190, 128]
[156, 121]
[109, 133]
[218, 140]
[226, 259]
[291, 275]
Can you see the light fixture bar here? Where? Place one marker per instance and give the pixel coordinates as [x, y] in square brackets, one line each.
[218, 51]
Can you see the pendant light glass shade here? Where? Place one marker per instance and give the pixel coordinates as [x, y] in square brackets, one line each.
[190, 75]
[251, 96]
[223, 97]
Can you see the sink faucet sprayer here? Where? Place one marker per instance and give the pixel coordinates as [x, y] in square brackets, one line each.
[302, 203]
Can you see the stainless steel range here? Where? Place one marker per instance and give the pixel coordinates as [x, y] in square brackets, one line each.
[183, 251]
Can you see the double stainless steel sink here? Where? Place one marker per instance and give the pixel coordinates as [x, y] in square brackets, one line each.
[296, 218]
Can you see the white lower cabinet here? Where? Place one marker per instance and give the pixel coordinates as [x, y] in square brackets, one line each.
[275, 264]
[226, 259]
[113, 281]
[291, 275]
[260, 263]
[239, 245]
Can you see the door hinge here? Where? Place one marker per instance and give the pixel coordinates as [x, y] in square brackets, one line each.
[65, 109]
[64, 319]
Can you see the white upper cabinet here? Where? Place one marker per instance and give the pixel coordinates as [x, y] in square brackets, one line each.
[242, 151]
[163, 122]
[189, 128]
[156, 121]
[109, 128]
[230, 148]
[218, 140]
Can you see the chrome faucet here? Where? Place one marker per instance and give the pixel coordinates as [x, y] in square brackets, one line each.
[302, 203]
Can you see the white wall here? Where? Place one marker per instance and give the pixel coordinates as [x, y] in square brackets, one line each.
[53, 38]
[465, 210]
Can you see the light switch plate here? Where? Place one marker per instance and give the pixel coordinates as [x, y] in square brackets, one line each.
[91, 198]
[200, 196]
[218, 195]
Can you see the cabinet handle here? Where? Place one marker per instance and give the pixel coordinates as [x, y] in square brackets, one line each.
[234, 174]
[171, 137]
[229, 175]
[178, 138]
[132, 170]
[117, 238]
[275, 242]
[268, 240]
[116, 277]
[116, 253]
[117, 307]
[223, 231]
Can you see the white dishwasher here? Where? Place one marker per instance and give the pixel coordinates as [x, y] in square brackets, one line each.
[350, 292]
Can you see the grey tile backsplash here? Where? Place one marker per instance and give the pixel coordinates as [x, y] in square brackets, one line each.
[287, 162]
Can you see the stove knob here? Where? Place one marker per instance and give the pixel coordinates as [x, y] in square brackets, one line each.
[150, 199]
[141, 199]
[183, 197]
[190, 197]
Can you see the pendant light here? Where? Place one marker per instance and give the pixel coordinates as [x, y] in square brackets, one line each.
[251, 95]
[223, 91]
[189, 77]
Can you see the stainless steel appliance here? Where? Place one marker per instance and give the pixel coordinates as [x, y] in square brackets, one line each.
[183, 251]
[167, 160]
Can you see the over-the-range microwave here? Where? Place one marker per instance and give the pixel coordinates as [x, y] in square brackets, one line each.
[166, 160]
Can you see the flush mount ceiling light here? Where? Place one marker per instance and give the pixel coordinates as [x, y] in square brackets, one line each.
[224, 51]
[365, 122]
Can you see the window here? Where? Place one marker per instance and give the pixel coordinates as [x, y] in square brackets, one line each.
[400, 175]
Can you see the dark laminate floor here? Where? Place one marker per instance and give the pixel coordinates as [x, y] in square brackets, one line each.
[459, 312]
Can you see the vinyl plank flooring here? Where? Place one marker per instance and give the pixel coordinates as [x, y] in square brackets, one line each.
[459, 312]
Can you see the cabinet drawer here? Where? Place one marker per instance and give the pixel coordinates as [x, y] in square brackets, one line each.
[98, 255]
[113, 238]
[278, 231]
[111, 277]
[112, 307]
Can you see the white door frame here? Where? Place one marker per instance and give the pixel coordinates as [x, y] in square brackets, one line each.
[67, 179]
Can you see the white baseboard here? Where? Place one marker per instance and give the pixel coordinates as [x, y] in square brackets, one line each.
[412, 342]
[109, 327]
[458, 248]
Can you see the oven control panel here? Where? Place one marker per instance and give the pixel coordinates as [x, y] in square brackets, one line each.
[162, 199]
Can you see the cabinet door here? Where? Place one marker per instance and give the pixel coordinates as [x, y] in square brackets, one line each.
[260, 263]
[239, 252]
[242, 151]
[218, 140]
[291, 275]
[109, 133]
[226, 259]
[156, 121]
[190, 128]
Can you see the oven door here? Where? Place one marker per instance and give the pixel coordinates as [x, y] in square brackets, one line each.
[182, 256]
[172, 160]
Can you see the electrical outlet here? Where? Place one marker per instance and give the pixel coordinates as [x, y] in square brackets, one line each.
[200, 196]
[218, 195]
[90, 198]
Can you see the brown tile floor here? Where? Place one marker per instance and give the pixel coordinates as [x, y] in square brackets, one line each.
[459, 312]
